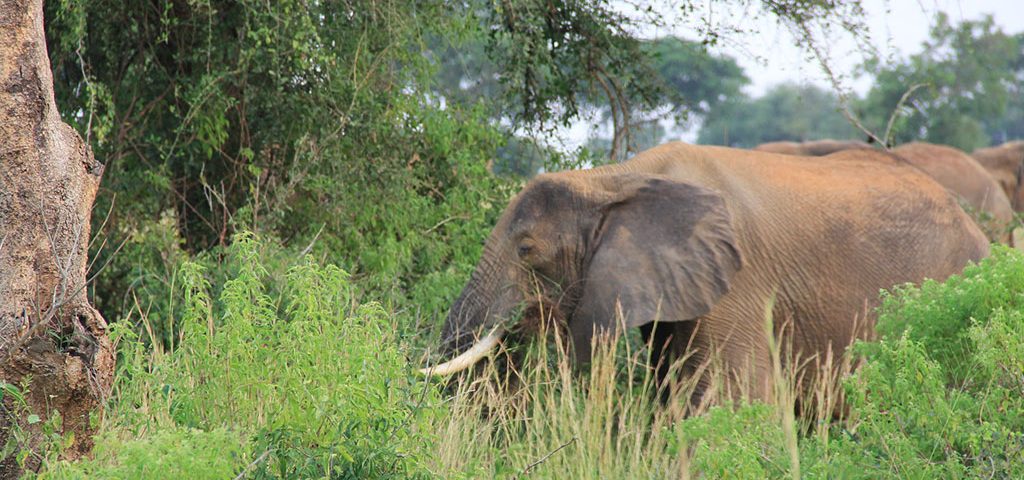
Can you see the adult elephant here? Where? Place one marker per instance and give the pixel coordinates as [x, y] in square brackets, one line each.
[812, 148]
[965, 177]
[693, 243]
[1005, 164]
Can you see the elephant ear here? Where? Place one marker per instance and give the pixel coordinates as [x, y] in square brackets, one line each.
[664, 251]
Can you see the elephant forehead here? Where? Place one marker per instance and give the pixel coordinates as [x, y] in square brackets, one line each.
[540, 199]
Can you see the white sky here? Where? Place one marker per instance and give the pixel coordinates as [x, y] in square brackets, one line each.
[770, 56]
[897, 29]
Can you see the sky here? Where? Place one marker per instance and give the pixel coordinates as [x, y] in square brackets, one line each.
[768, 53]
[897, 30]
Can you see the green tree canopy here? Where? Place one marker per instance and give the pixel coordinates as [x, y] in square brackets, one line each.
[334, 123]
[971, 75]
[695, 81]
[1010, 125]
[786, 112]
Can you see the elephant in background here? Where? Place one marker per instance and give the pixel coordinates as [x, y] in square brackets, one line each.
[813, 148]
[692, 244]
[966, 178]
[1006, 165]
[952, 168]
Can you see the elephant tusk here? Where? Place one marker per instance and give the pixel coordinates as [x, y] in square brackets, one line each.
[467, 358]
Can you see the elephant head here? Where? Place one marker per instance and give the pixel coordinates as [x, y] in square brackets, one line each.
[1006, 165]
[608, 251]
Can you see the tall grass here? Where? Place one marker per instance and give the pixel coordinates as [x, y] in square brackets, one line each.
[294, 381]
[285, 374]
[546, 419]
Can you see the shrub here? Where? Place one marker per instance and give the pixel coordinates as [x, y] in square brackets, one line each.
[172, 452]
[939, 315]
[299, 384]
[726, 443]
[940, 394]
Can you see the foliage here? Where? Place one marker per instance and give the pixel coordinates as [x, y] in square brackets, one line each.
[1010, 126]
[24, 446]
[694, 83]
[785, 112]
[552, 53]
[971, 73]
[299, 121]
[940, 315]
[300, 383]
[173, 452]
[741, 443]
[940, 394]
[697, 81]
[359, 134]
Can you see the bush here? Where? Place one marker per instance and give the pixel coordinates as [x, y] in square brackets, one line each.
[939, 315]
[742, 443]
[299, 384]
[172, 452]
[940, 395]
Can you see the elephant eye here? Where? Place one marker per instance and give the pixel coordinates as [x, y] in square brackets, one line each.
[524, 250]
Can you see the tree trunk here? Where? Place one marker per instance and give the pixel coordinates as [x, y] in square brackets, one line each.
[52, 342]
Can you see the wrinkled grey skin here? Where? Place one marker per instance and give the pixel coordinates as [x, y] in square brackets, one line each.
[693, 244]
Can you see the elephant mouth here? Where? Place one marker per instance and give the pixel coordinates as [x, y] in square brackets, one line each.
[542, 314]
[538, 315]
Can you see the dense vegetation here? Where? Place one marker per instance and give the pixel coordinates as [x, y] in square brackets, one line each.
[295, 193]
[283, 374]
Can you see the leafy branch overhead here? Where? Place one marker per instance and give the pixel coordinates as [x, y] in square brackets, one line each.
[554, 57]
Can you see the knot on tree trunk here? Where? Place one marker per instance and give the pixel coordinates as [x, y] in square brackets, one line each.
[67, 366]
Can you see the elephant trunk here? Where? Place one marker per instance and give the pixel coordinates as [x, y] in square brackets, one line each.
[486, 301]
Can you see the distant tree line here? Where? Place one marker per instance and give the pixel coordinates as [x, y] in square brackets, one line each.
[965, 90]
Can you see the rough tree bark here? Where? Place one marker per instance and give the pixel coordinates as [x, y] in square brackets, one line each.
[51, 340]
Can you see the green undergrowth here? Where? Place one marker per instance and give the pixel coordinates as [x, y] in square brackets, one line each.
[292, 381]
[941, 393]
[289, 374]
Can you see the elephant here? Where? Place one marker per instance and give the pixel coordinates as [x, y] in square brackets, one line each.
[692, 244]
[1006, 165]
[812, 148]
[966, 178]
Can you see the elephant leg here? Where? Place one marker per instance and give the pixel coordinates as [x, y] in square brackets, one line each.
[585, 337]
[659, 339]
[734, 360]
[696, 359]
[676, 361]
